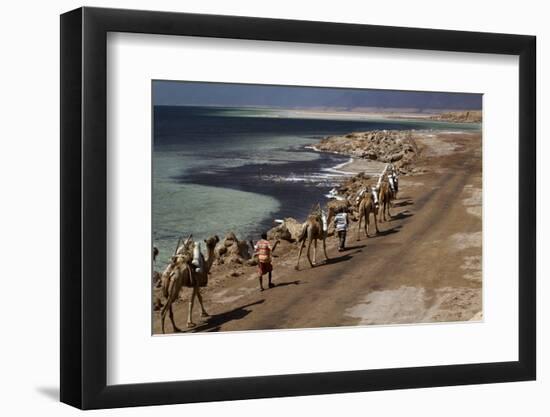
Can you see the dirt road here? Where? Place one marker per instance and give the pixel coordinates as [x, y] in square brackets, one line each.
[423, 266]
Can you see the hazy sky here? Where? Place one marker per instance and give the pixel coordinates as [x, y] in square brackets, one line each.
[223, 94]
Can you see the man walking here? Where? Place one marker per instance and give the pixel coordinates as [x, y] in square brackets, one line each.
[264, 250]
[341, 224]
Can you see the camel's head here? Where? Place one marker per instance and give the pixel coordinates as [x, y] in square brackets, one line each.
[316, 210]
[212, 241]
[331, 212]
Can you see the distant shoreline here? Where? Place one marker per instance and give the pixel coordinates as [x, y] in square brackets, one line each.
[435, 115]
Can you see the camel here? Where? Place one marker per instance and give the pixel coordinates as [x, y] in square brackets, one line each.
[181, 249]
[393, 180]
[387, 191]
[315, 228]
[390, 175]
[394, 184]
[384, 196]
[183, 273]
[368, 205]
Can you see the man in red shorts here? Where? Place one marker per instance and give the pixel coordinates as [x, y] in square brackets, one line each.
[263, 250]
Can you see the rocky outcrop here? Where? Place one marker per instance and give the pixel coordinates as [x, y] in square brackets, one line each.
[395, 146]
[289, 230]
[350, 188]
[336, 205]
[472, 116]
[232, 250]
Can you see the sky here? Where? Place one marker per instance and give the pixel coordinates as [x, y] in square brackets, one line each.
[182, 93]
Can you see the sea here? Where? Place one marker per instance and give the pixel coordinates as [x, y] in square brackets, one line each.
[218, 170]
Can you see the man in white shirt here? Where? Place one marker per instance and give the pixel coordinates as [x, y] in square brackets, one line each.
[341, 223]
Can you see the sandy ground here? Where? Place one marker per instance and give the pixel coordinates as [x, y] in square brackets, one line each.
[423, 266]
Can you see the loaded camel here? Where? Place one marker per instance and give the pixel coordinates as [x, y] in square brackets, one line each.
[165, 276]
[394, 183]
[315, 228]
[368, 204]
[182, 272]
[384, 197]
[387, 191]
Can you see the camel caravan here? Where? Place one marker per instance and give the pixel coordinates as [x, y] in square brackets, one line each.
[189, 268]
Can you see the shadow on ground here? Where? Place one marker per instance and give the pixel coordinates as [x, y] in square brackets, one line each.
[355, 247]
[284, 284]
[214, 323]
[387, 232]
[402, 215]
[403, 203]
[339, 259]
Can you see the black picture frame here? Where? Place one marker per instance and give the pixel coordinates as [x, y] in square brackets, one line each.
[84, 207]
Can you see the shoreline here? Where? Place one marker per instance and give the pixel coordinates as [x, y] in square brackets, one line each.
[296, 185]
[435, 115]
[297, 194]
[353, 165]
[294, 182]
[177, 208]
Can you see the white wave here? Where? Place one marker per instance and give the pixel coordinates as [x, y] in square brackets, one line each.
[343, 164]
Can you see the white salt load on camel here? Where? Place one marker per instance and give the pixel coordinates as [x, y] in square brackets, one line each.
[198, 259]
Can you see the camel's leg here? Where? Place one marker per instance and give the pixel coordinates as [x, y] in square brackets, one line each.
[190, 312]
[168, 309]
[163, 315]
[389, 214]
[308, 253]
[300, 254]
[325, 248]
[359, 227]
[176, 329]
[375, 222]
[367, 215]
[199, 297]
[315, 252]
